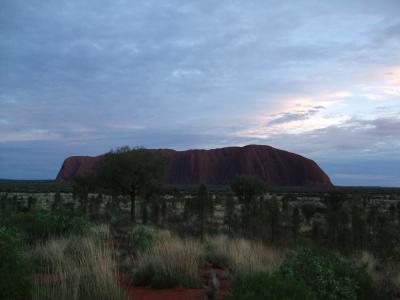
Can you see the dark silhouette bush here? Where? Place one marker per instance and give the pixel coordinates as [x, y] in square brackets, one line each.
[263, 286]
[38, 226]
[141, 239]
[15, 270]
[330, 277]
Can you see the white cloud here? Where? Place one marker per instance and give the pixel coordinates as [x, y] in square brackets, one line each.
[231, 71]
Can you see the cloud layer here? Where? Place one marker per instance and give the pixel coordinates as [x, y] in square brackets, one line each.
[321, 78]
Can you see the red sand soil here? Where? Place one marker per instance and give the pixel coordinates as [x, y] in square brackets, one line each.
[142, 293]
[223, 277]
[135, 293]
[46, 278]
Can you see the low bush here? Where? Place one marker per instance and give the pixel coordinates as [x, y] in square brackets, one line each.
[15, 281]
[387, 290]
[76, 225]
[263, 286]
[141, 239]
[39, 227]
[329, 277]
[35, 227]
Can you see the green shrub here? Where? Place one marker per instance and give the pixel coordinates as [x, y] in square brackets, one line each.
[263, 286]
[76, 225]
[328, 276]
[35, 226]
[14, 268]
[38, 226]
[387, 290]
[141, 238]
[218, 260]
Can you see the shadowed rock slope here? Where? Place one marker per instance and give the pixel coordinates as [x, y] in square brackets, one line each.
[219, 166]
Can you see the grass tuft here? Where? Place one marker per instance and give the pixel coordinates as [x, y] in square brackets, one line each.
[171, 262]
[75, 268]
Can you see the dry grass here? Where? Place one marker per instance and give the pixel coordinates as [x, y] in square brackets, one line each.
[170, 262]
[48, 257]
[396, 278]
[377, 270]
[243, 256]
[173, 261]
[77, 268]
[100, 232]
[367, 260]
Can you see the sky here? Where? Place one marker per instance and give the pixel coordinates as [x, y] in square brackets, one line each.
[319, 78]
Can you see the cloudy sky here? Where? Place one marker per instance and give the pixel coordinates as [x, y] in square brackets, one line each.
[319, 78]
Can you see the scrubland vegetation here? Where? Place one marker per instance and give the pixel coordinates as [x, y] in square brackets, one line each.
[247, 242]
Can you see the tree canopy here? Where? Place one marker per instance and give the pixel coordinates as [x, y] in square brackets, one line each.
[131, 171]
[247, 187]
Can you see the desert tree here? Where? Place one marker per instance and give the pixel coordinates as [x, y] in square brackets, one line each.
[344, 233]
[82, 186]
[95, 205]
[387, 239]
[230, 212]
[131, 171]
[295, 223]
[203, 206]
[308, 210]
[286, 199]
[55, 207]
[248, 189]
[372, 222]
[3, 203]
[170, 192]
[392, 212]
[398, 213]
[273, 219]
[334, 217]
[338, 222]
[151, 198]
[359, 228]
[32, 203]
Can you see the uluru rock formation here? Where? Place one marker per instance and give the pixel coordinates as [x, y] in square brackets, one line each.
[220, 166]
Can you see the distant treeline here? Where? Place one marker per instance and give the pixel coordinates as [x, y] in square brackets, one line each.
[52, 186]
[34, 186]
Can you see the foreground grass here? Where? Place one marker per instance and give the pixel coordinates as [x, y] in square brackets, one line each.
[171, 262]
[83, 265]
[75, 268]
[262, 272]
[242, 256]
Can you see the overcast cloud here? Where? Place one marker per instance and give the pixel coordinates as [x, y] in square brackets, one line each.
[320, 78]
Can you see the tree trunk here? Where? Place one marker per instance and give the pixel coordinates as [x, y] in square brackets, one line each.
[144, 212]
[133, 207]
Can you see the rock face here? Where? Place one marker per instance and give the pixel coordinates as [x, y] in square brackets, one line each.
[220, 166]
